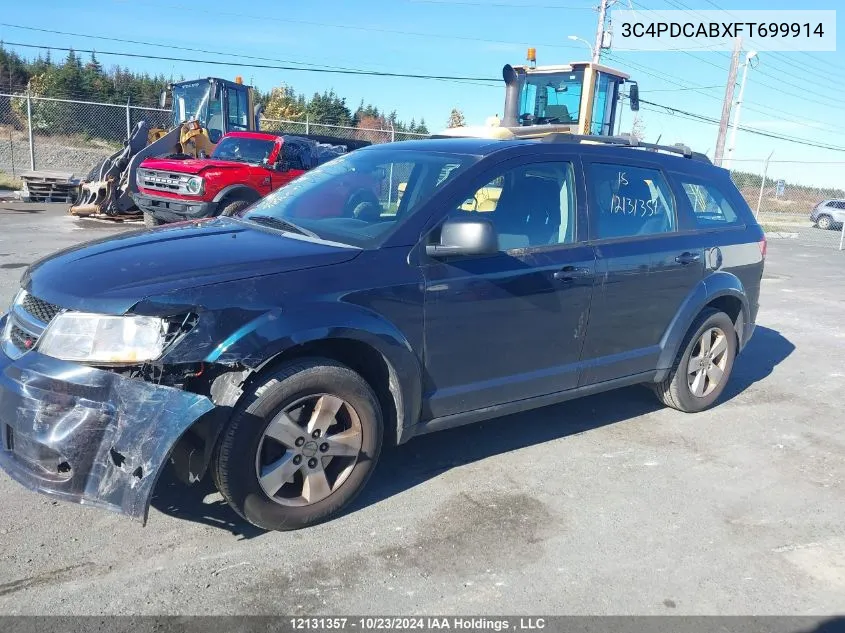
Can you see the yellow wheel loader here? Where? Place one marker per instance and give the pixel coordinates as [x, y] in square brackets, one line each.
[202, 111]
[579, 98]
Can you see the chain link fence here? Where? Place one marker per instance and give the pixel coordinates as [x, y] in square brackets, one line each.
[63, 135]
[811, 215]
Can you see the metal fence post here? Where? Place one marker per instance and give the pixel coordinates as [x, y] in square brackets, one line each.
[307, 124]
[29, 127]
[128, 119]
[842, 237]
[763, 184]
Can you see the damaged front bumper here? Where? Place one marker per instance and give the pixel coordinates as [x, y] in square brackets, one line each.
[88, 435]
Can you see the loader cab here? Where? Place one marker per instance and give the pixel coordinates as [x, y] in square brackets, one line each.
[218, 105]
[581, 97]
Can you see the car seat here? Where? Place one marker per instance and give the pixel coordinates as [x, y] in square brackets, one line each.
[528, 212]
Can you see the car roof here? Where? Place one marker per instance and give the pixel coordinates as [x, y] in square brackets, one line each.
[481, 147]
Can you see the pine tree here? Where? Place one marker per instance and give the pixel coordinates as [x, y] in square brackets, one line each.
[456, 119]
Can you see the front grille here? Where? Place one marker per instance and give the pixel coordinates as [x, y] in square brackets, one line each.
[163, 181]
[40, 309]
[27, 319]
[21, 340]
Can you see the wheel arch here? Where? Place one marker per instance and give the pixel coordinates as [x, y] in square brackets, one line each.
[361, 357]
[722, 291]
[398, 392]
[236, 192]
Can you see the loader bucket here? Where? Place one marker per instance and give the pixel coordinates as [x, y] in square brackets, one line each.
[93, 198]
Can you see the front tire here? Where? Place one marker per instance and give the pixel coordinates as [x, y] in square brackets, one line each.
[824, 222]
[703, 365]
[301, 447]
[150, 220]
[233, 208]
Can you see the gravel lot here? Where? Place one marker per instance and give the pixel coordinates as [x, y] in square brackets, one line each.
[607, 505]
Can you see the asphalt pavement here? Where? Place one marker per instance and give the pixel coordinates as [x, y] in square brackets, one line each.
[606, 505]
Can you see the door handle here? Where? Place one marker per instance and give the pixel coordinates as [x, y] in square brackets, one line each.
[570, 273]
[687, 258]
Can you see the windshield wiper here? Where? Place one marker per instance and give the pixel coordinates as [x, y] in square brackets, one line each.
[279, 223]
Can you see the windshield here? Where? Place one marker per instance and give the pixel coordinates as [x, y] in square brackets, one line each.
[551, 98]
[192, 101]
[362, 197]
[245, 150]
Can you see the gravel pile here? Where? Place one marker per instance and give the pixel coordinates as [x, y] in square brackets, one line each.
[14, 157]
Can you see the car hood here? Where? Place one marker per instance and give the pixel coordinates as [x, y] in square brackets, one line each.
[113, 274]
[190, 165]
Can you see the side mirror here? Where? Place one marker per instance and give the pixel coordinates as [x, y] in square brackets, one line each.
[465, 236]
[214, 136]
[634, 96]
[162, 99]
[282, 165]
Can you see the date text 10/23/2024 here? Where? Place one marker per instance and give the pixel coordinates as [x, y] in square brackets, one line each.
[373, 623]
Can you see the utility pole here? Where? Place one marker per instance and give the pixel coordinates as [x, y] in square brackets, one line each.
[600, 30]
[732, 143]
[726, 104]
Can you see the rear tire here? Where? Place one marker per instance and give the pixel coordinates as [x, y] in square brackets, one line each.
[824, 222]
[301, 446]
[234, 207]
[703, 365]
[151, 220]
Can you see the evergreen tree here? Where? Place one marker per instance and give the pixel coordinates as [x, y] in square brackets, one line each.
[456, 119]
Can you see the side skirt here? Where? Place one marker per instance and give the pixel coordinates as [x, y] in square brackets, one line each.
[518, 406]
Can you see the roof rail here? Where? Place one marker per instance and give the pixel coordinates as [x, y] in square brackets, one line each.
[625, 141]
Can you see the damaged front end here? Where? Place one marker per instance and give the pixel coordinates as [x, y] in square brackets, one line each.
[89, 435]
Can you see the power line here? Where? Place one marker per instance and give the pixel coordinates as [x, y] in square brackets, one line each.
[688, 10]
[785, 60]
[353, 27]
[372, 73]
[485, 5]
[682, 89]
[830, 129]
[750, 104]
[171, 46]
[707, 119]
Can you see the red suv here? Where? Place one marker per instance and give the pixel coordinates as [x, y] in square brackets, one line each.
[244, 167]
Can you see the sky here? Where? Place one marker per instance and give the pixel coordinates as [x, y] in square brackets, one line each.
[794, 94]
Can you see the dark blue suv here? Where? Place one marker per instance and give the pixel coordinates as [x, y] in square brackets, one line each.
[278, 351]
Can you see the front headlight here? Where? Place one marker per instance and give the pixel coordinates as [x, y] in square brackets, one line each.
[96, 338]
[194, 185]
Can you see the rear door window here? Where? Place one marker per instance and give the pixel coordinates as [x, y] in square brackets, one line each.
[709, 205]
[629, 201]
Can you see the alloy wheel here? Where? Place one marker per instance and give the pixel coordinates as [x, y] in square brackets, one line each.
[707, 363]
[308, 450]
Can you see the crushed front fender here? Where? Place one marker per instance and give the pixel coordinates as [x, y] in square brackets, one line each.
[88, 435]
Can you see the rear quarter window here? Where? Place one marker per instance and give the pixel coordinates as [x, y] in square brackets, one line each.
[710, 205]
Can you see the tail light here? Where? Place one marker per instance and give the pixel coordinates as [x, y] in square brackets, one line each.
[763, 244]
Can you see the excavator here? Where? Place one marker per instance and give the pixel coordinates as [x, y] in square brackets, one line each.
[201, 112]
[578, 98]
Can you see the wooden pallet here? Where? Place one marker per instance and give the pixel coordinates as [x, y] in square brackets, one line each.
[49, 186]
